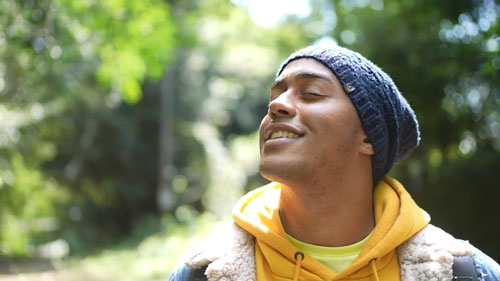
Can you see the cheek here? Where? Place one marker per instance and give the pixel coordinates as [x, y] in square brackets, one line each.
[325, 122]
[335, 123]
[263, 125]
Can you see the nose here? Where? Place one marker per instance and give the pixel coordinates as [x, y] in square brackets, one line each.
[282, 106]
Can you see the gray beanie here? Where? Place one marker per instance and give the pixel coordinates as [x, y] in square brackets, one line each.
[386, 116]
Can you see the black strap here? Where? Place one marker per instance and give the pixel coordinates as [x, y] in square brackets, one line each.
[464, 269]
[198, 274]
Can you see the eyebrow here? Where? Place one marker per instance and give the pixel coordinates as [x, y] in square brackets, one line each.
[301, 75]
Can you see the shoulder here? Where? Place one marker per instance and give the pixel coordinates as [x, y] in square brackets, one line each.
[431, 253]
[226, 253]
[488, 268]
[226, 243]
[187, 273]
[432, 239]
[180, 273]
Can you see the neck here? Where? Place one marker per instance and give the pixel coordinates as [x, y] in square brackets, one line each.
[328, 213]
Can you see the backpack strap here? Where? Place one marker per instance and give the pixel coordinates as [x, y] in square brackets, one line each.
[198, 274]
[464, 269]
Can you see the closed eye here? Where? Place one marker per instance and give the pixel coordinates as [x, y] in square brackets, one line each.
[311, 95]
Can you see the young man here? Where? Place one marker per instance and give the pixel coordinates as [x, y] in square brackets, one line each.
[335, 126]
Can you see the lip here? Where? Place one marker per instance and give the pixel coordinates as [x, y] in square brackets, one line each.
[276, 127]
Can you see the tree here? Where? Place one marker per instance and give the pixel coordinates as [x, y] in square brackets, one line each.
[67, 67]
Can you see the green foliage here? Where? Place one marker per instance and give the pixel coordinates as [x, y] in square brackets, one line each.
[149, 253]
[65, 68]
[145, 255]
[132, 39]
[29, 207]
[469, 185]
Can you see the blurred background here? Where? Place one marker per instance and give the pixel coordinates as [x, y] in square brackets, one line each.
[128, 128]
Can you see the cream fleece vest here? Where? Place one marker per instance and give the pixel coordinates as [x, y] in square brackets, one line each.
[428, 255]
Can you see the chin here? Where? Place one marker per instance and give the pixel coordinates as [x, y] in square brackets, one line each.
[278, 173]
[267, 172]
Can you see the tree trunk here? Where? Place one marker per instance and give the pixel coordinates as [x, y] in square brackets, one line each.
[165, 197]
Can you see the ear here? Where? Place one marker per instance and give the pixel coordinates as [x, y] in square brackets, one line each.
[366, 146]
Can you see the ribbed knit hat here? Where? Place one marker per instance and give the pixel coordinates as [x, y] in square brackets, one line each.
[386, 116]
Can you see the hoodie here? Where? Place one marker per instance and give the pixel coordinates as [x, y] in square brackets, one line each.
[397, 218]
[254, 247]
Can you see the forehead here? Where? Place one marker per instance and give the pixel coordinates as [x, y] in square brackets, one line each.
[306, 68]
[306, 65]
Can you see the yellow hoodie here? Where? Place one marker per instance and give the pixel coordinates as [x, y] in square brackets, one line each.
[397, 218]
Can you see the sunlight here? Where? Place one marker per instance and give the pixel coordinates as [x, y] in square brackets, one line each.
[269, 13]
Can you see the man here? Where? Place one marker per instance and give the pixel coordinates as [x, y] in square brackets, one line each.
[336, 124]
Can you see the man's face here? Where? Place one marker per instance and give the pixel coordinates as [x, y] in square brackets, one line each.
[311, 128]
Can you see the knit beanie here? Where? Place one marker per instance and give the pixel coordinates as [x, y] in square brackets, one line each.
[386, 116]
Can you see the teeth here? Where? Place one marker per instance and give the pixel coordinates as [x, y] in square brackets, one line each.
[284, 134]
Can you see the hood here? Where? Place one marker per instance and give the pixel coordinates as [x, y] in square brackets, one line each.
[397, 218]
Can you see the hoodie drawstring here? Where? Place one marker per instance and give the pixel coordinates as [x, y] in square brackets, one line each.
[374, 269]
[299, 257]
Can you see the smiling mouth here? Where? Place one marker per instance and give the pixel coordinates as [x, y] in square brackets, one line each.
[283, 134]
